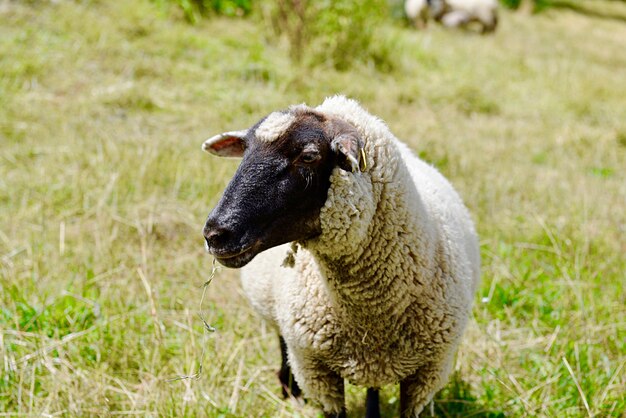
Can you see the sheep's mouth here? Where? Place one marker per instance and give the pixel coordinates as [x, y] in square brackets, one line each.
[236, 258]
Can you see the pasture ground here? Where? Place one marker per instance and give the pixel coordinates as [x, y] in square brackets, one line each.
[104, 191]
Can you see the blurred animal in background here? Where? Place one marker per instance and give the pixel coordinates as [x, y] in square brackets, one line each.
[454, 13]
[418, 12]
[463, 13]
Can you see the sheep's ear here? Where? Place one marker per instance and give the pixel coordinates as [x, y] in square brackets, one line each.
[227, 144]
[347, 143]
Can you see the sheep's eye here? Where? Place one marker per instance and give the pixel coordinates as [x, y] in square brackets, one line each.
[309, 157]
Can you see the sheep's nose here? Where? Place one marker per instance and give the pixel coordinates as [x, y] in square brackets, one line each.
[214, 235]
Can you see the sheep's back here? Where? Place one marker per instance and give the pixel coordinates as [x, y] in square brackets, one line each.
[485, 10]
[453, 221]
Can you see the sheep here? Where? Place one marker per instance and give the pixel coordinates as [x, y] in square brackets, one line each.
[461, 13]
[361, 256]
[417, 12]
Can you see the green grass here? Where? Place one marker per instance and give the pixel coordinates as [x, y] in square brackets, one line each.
[104, 191]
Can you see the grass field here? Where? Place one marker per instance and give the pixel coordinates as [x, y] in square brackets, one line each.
[104, 191]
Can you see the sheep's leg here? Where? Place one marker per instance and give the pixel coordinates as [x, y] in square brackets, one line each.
[320, 384]
[333, 402]
[418, 389]
[372, 407]
[489, 25]
[331, 388]
[289, 385]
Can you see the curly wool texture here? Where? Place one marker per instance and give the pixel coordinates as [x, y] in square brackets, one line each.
[385, 291]
[275, 124]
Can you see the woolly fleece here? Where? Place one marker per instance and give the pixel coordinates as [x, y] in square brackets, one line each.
[275, 124]
[484, 11]
[384, 293]
[416, 11]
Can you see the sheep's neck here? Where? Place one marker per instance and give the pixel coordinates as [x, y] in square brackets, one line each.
[383, 276]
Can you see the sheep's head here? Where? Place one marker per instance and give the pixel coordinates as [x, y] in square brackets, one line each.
[281, 184]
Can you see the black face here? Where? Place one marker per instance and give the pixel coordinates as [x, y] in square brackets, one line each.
[276, 194]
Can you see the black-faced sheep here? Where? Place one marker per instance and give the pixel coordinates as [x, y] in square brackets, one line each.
[377, 284]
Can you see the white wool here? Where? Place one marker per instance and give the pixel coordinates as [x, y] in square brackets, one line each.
[418, 12]
[274, 125]
[473, 6]
[463, 11]
[455, 18]
[414, 8]
[386, 290]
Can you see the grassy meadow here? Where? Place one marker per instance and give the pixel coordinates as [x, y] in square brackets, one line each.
[104, 191]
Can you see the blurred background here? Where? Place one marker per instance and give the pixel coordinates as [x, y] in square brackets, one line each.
[104, 191]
